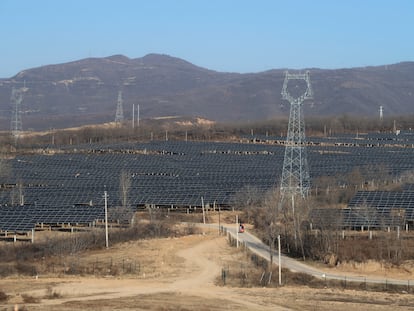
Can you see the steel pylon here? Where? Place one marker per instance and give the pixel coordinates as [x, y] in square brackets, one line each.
[16, 99]
[295, 174]
[119, 115]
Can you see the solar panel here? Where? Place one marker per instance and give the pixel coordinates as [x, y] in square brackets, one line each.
[25, 218]
[371, 209]
[180, 173]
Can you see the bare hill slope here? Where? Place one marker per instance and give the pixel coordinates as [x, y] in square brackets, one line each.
[85, 91]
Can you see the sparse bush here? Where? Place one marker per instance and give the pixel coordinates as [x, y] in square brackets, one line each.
[114, 271]
[6, 269]
[51, 294]
[3, 296]
[30, 299]
[297, 278]
[25, 268]
[190, 229]
[22, 258]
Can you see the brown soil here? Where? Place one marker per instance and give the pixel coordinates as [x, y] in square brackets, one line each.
[180, 274]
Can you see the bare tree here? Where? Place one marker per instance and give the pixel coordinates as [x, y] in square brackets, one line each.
[5, 169]
[123, 214]
[247, 199]
[17, 195]
[295, 211]
[124, 187]
[269, 220]
[300, 223]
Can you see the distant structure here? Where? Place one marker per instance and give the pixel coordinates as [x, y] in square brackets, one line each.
[133, 115]
[119, 115]
[381, 112]
[295, 174]
[394, 128]
[138, 116]
[16, 126]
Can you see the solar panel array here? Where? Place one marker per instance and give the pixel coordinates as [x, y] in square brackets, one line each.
[25, 218]
[171, 173]
[181, 173]
[370, 209]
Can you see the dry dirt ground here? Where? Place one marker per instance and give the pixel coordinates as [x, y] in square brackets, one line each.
[180, 274]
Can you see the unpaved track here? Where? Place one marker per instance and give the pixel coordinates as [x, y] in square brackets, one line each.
[196, 282]
[187, 285]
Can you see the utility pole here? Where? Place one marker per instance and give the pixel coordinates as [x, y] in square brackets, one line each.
[280, 260]
[219, 221]
[237, 231]
[106, 219]
[204, 212]
[133, 115]
[138, 116]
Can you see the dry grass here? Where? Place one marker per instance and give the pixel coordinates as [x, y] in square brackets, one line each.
[30, 299]
[52, 294]
[171, 270]
[3, 297]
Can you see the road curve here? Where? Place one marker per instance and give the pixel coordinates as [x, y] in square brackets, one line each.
[258, 247]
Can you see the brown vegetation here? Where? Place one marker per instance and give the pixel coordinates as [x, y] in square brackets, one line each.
[52, 253]
[272, 216]
[179, 274]
[160, 130]
[256, 272]
[3, 297]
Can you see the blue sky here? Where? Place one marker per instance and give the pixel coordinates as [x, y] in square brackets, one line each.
[223, 35]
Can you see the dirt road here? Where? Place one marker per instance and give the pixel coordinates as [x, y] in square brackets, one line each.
[186, 282]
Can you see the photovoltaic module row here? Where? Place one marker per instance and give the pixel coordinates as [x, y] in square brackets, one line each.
[180, 167]
[179, 173]
[362, 218]
[24, 218]
[370, 209]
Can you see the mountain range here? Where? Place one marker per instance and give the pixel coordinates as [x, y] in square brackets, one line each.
[86, 91]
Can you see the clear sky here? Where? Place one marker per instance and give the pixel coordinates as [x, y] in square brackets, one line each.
[224, 35]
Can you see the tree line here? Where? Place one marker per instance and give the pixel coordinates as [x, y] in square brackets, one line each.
[171, 130]
[273, 215]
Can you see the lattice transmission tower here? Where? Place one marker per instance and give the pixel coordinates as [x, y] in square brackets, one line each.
[119, 115]
[16, 126]
[295, 174]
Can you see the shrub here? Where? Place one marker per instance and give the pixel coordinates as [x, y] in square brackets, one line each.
[51, 294]
[30, 299]
[298, 278]
[3, 296]
[25, 268]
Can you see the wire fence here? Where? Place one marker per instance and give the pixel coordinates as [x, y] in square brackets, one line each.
[76, 266]
[259, 273]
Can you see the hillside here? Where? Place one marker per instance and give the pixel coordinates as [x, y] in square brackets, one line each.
[85, 91]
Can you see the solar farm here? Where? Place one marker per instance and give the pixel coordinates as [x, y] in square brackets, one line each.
[66, 186]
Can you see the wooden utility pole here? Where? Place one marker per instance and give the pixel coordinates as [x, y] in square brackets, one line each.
[106, 220]
[280, 260]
